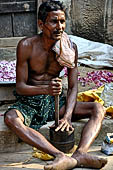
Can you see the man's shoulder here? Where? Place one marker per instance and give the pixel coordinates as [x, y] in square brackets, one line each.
[28, 41]
[25, 46]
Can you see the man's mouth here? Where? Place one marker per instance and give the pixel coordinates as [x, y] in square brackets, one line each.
[58, 33]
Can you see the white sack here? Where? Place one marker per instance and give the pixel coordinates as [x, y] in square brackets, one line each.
[93, 54]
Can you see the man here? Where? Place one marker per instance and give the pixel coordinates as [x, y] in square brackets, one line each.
[37, 82]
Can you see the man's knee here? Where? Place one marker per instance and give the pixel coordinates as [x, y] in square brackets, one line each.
[99, 110]
[10, 117]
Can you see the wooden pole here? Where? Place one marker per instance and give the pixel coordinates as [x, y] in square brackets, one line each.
[56, 111]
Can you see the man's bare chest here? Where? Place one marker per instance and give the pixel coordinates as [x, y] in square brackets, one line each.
[44, 63]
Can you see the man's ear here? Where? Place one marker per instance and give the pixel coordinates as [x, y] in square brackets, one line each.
[40, 24]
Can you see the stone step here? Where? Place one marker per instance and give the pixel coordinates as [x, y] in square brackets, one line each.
[9, 42]
[6, 91]
[9, 142]
[8, 53]
[8, 48]
[107, 127]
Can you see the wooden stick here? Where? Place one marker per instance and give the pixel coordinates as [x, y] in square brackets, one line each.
[56, 111]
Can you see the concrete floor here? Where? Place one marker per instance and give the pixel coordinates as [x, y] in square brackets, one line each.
[24, 160]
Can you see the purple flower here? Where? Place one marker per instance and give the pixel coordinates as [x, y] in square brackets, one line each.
[7, 71]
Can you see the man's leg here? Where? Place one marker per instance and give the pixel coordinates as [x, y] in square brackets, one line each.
[95, 112]
[14, 121]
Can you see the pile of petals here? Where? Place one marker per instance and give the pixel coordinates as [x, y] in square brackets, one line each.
[7, 71]
[97, 77]
[8, 74]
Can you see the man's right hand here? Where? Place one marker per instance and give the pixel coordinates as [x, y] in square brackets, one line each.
[55, 87]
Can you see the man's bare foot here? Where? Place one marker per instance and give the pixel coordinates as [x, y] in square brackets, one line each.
[62, 163]
[89, 161]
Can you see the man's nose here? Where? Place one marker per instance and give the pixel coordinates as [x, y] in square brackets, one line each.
[59, 25]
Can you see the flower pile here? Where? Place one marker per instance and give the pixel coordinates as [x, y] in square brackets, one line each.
[100, 77]
[7, 71]
[97, 77]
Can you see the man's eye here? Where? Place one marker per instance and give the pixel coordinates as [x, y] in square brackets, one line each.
[62, 21]
[54, 21]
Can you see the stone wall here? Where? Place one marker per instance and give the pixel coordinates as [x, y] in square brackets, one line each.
[68, 17]
[92, 19]
[109, 22]
[87, 19]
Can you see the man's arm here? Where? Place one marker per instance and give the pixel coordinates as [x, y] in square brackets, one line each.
[71, 96]
[72, 92]
[24, 52]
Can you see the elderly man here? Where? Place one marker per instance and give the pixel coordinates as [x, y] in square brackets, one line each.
[40, 60]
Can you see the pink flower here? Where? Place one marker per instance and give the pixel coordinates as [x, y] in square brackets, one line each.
[97, 77]
[7, 71]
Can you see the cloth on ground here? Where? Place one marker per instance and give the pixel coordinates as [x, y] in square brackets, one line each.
[94, 95]
[36, 110]
[93, 54]
[46, 157]
[65, 53]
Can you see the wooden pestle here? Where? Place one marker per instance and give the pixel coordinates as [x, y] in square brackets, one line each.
[56, 111]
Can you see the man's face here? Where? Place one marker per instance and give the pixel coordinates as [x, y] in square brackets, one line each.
[54, 25]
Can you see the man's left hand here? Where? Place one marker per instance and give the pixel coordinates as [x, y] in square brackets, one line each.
[64, 125]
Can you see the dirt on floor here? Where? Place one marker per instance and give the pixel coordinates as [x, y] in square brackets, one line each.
[24, 160]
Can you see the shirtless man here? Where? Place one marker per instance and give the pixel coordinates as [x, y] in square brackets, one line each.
[37, 64]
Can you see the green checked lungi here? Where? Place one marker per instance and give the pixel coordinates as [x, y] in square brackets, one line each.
[36, 110]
